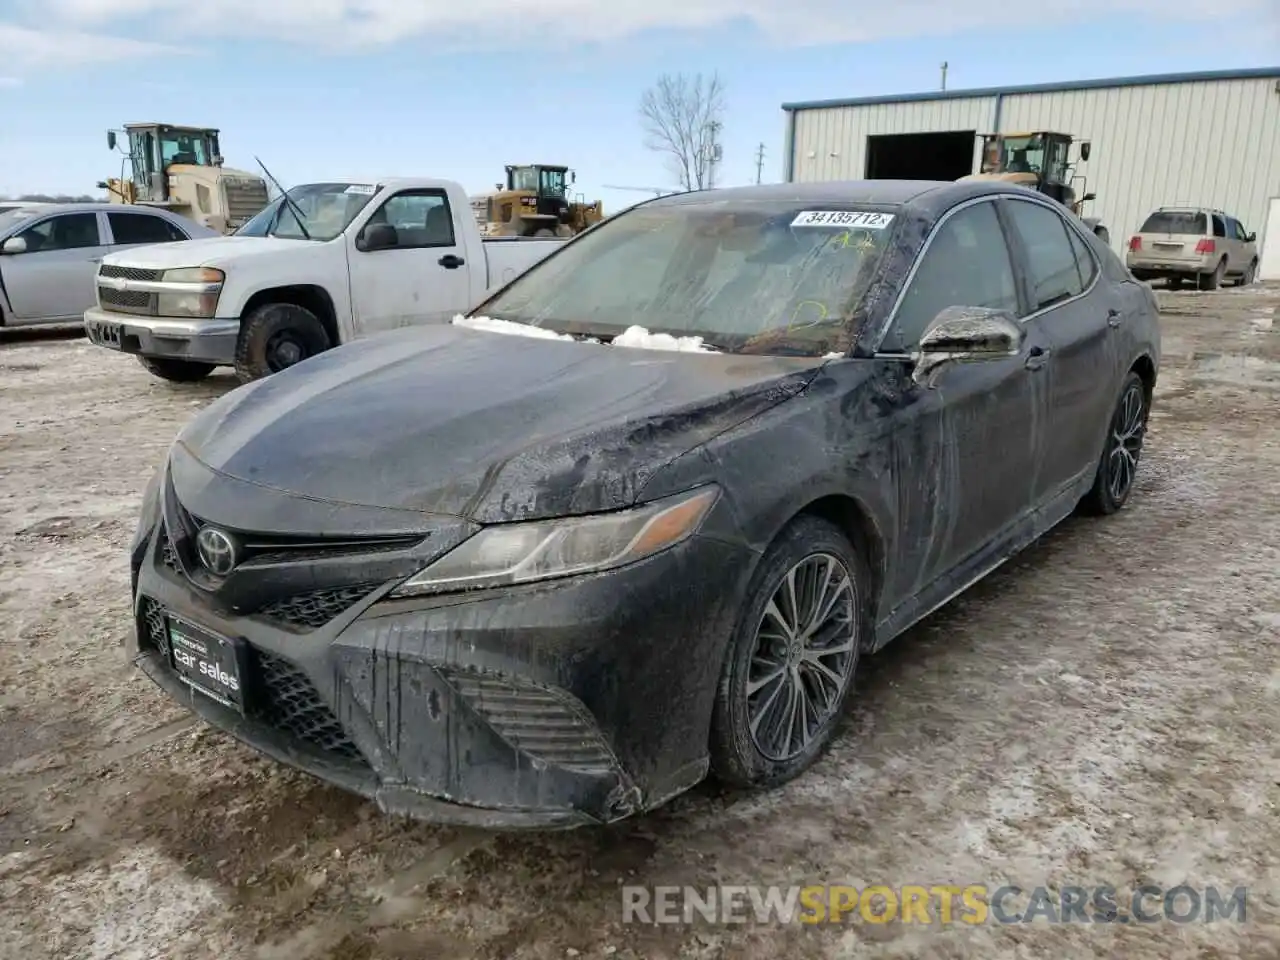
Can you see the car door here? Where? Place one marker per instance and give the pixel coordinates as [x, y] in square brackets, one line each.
[424, 278]
[130, 228]
[967, 453]
[53, 279]
[1079, 316]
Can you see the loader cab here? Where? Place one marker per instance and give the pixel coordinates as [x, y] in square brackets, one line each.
[546, 186]
[153, 148]
[1041, 161]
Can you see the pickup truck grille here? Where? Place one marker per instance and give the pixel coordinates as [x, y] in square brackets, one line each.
[128, 273]
[128, 301]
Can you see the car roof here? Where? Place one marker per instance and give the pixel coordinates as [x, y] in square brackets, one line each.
[1189, 210]
[929, 196]
[95, 207]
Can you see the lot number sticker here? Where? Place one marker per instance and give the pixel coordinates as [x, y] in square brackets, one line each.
[843, 218]
[362, 189]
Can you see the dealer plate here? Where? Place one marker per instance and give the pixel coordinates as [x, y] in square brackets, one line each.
[105, 334]
[207, 663]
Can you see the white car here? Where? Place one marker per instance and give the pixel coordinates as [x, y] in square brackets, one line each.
[342, 259]
[49, 254]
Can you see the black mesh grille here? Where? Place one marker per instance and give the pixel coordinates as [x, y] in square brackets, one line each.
[317, 607]
[128, 301]
[292, 705]
[153, 634]
[548, 724]
[128, 273]
[168, 555]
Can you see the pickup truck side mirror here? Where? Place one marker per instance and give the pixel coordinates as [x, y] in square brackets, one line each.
[14, 245]
[377, 236]
[966, 335]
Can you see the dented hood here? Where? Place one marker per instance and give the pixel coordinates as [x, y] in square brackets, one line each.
[447, 420]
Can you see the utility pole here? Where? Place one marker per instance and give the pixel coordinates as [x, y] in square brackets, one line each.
[715, 153]
[759, 162]
[944, 74]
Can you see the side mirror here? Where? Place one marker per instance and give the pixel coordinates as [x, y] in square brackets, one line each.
[1085, 149]
[377, 236]
[1088, 196]
[111, 139]
[1251, 238]
[14, 245]
[966, 335]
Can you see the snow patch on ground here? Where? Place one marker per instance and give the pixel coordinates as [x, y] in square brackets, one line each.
[642, 339]
[508, 327]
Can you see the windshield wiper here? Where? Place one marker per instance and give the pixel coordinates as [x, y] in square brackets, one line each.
[298, 215]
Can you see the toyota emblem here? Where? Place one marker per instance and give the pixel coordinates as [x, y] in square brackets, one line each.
[218, 551]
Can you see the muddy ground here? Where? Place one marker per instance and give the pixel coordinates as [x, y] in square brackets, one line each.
[1103, 710]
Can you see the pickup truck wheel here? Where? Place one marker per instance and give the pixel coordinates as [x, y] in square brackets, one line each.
[276, 336]
[177, 371]
[544, 232]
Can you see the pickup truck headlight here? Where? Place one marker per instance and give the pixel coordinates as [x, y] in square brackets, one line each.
[200, 302]
[513, 553]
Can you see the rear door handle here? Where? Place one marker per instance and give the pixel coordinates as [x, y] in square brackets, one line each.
[451, 262]
[1037, 358]
[1114, 318]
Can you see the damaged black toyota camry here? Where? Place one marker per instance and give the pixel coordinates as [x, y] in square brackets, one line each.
[639, 515]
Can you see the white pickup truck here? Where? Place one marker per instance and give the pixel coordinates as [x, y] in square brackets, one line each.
[340, 260]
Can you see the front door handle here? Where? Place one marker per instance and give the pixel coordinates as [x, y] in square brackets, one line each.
[1114, 318]
[1037, 357]
[451, 262]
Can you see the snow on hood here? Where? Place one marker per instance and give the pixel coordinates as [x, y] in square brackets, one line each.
[635, 336]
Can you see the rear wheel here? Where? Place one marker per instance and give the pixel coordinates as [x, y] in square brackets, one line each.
[1250, 274]
[1212, 281]
[544, 232]
[276, 336]
[792, 659]
[176, 371]
[1118, 468]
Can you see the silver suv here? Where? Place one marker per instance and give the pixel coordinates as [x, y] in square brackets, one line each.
[1193, 243]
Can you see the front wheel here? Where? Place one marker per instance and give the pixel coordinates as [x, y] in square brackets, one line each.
[276, 336]
[176, 371]
[1118, 468]
[793, 656]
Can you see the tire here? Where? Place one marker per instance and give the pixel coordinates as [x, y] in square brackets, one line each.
[1127, 429]
[176, 371]
[1212, 281]
[737, 758]
[276, 336]
[1249, 276]
[544, 232]
[1175, 283]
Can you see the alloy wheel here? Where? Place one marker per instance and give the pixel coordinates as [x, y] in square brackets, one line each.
[1128, 428]
[803, 658]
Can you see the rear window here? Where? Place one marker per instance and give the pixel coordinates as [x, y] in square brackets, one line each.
[1168, 221]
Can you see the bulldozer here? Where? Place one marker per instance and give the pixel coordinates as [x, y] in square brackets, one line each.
[180, 168]
[1041, 161]
[535, 202]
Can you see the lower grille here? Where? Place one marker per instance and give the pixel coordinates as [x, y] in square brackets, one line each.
[292, 705]
[317, 607]
[128, 301]
[168, 555]
[153, 635]
[548, 724]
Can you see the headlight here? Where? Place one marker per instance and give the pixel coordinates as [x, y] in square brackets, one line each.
[521, 552]
[197, 303]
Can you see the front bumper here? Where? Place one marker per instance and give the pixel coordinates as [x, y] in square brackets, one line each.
[546, 706]
[203, 341]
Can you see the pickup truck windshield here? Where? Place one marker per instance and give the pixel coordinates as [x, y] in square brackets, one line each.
[327, 210]
[765, 277]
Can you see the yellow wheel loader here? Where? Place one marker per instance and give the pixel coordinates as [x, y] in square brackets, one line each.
[180, 168]
[535, 202]
[1041, 161]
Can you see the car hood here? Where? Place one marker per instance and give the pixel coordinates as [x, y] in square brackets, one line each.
[205, 252]
[449, 420]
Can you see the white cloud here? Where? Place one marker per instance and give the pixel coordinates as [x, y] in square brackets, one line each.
[10, 82]
[27, 49]
[487, 23]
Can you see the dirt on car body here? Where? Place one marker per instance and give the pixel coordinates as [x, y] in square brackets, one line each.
[1100, 711]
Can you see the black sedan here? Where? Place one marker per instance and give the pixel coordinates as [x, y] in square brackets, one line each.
[639, 515]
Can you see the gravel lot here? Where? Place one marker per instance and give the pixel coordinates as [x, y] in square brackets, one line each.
[1102, 710]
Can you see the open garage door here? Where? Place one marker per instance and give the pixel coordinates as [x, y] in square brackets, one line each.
[921, 156]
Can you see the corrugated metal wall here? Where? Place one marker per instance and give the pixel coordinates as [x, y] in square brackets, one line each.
[1211, 143]
[837, 137]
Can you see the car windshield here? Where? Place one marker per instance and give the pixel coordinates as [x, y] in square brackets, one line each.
[327, 210]
[1175, 221]
[766, 278]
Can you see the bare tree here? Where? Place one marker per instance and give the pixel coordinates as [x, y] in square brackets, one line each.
[681, 115]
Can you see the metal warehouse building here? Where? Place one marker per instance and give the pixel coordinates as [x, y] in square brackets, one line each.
[1209, 139]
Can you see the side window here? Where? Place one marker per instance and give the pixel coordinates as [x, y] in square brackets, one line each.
[1232, 229]
[1050, 257]
[966, 265]
[142, 228]
[1084, 259]
[1219, 227]
[66, 232]
[422, 218]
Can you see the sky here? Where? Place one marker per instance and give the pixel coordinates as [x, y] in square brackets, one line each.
[323, 89]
